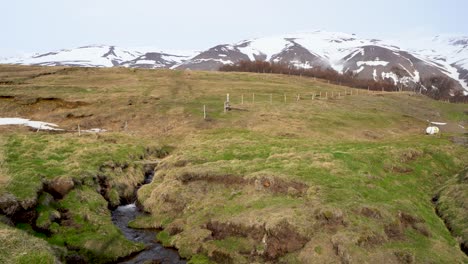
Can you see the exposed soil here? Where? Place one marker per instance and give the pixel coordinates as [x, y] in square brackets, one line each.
[271, 184]
[222, 230]
[55, 101]
[396, 229]
[278, 240]
[283, 239]
[371, 212]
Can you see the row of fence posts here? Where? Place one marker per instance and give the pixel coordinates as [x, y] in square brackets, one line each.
[314, 96]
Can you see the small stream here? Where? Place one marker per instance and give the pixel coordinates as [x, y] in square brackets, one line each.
[154, 252]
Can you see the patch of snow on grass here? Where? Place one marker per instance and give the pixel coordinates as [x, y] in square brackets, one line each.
[26, 122]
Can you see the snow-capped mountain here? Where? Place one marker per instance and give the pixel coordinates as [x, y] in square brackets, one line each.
[451, 52]
[367, 58]
[104, 56]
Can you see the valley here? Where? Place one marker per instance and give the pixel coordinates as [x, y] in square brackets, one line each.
[285, 176]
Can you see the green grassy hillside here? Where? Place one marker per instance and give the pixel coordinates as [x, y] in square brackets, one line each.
[285, 176]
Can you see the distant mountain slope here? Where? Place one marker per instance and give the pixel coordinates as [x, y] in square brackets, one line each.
[452, 53]
[102, 56]
[367, 58]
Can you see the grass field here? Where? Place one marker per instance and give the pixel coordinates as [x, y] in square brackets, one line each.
[348, 179]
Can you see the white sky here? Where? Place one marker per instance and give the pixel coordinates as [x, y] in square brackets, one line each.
[46, 25]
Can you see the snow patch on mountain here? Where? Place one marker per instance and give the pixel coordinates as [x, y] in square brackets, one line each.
[449, 53]
[104, 56]
[372, 63]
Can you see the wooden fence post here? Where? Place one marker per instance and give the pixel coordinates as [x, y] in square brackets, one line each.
[253, 98]
[204, 112]
[242, 99]
[79, 130]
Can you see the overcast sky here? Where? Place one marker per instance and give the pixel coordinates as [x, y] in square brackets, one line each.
[45, 25]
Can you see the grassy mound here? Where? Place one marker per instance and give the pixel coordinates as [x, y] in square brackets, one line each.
[17, 246]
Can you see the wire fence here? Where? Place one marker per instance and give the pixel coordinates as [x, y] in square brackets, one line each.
[283, 98]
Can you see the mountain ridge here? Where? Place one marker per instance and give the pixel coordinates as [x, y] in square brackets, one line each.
[375, 59]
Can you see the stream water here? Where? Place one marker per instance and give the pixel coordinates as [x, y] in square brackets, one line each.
[154, 252]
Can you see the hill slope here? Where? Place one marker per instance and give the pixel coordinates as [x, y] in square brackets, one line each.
[292, 174]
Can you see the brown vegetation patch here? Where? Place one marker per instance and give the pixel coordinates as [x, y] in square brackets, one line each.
[403, 170]
[330, 217]
[175, 227]
[222, 230]
[57, 102]
[278, 240]
[340, 250]
[8, 204]
[370, 239]
[397, 169]
[59, 187]
[66, 218]
[77, 116]
[272, 184]
[405, 257]
[371, 135]
[219, 256]
[283, 239]
[371, 212]
[408, 220]
[411, 155]
[280, 186]
[188, 177]
[395, 230]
